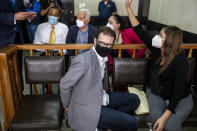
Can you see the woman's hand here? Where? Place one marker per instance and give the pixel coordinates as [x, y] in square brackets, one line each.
[159, 124]
[128, 3]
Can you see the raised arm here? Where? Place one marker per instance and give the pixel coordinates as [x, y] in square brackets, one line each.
[143, 35]
[44, 12]
[133, 20]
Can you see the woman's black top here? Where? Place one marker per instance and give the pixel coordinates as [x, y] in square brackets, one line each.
[171, 83]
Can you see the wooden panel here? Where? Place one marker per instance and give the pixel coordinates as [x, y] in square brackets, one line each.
[13, 82]
[2, 104]
[17, 78]
[6, 90]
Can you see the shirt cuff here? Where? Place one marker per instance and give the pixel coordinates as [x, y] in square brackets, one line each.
[171, 109]
[14, 21]
[137, 27]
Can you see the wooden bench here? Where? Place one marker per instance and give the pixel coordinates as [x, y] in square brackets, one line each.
[10, 82]
[128, 71]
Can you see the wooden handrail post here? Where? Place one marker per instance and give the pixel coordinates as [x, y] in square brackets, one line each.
[31, 52]
[147, 53]
[190, 53]
[76, 52]
[61, 52]
[133, 56]
[119, 53]
[7, 96]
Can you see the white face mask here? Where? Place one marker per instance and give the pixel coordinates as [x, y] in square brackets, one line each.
[156, 41]
[80, 23]
[110, 26]
[26, 2]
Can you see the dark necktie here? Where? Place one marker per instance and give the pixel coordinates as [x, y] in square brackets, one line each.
[13, 4]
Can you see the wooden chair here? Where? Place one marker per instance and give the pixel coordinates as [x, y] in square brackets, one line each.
[40, 112]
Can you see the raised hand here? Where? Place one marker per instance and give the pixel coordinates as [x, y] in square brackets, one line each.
[128, 3]
[51, 5]
[133, 20]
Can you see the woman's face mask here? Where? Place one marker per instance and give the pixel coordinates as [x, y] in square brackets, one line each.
[113, 24]
[80, 23]
[157, 41]
[53, 20]
[110, 26]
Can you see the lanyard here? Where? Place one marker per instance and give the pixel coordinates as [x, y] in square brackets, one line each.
[117, 37]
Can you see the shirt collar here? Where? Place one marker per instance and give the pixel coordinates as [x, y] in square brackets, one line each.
[49, 25]
[85, 30]
[102, 60]
[106, 1]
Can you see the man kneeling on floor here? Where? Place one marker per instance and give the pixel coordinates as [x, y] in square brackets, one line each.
[84, 92]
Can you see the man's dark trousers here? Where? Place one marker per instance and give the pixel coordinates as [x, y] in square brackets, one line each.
[116, 116]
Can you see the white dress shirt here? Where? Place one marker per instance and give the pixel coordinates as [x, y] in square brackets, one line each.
[43, 32]
[102, 61]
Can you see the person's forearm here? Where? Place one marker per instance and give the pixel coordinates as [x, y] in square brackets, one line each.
[133, 20]
[166, 114]
[44, 11]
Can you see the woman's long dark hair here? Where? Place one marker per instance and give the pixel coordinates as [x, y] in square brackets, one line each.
[119, 20]
[172, 45]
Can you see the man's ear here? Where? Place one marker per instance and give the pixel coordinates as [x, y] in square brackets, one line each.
[88, 20]
[94, 41]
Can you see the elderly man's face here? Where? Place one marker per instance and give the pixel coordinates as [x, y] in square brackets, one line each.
[82, 17]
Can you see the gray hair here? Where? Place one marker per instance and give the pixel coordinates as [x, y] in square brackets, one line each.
[88, 14]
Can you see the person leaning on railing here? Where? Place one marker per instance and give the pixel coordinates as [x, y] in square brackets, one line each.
[168, 76]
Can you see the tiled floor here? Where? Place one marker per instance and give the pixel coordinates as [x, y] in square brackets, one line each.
[140, 129]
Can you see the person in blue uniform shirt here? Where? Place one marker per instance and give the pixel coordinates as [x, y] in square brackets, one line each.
[106, 8]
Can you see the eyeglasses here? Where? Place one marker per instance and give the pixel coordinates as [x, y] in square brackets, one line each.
[103, 44]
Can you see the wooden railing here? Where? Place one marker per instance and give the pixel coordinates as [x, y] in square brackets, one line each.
[10, 82]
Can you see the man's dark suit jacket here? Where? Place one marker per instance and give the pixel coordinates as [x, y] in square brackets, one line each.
[73, 32]
[7, 25]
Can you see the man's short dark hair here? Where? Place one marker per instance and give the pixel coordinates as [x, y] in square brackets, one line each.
[106, 31]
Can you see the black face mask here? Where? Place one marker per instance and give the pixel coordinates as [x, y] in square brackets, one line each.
[102, 51]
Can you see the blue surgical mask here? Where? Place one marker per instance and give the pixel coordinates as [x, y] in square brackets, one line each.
[53, 20]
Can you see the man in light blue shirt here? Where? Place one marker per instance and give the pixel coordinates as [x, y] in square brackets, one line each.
[82, 38]
[82, 32]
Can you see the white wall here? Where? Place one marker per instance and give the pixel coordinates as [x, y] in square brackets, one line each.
[92, 5]
[181, 13]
